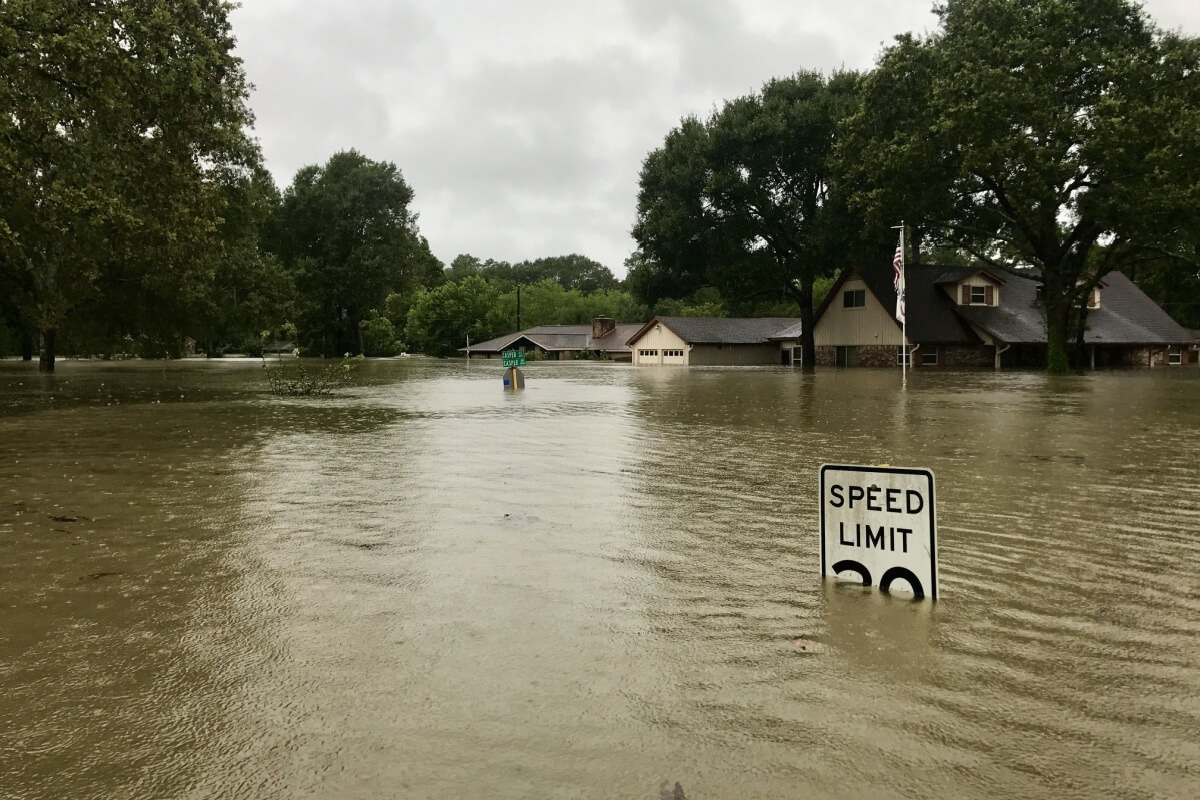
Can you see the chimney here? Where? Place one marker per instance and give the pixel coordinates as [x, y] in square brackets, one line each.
[602, 326]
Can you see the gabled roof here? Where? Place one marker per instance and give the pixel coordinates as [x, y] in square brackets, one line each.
[617, 339]
[790, 332]
[959, 274]
[547, 337]
[560, 338]
[719, 330]
[1126, 315]
[931, 317]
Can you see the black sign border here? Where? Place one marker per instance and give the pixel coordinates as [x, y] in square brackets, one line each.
[933, 548]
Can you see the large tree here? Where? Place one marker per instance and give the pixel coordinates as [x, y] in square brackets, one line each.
[346, 229]
[745, 201]
[117, 115]
[1058, 134]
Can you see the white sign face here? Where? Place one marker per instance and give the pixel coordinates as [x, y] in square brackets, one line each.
[879, 522]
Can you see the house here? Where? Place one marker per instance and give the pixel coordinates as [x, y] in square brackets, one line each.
[560, 342]
[712, 341]
[973, 317]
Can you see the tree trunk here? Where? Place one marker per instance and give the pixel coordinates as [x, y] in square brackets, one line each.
[808, 343]
[46, 362]
[808, 346]
[1078, 355]
[1057, 330]
[26, 344]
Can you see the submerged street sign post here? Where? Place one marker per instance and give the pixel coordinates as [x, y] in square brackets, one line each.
[513, 377]
[879, 522]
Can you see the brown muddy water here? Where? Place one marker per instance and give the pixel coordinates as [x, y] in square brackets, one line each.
[425, 588]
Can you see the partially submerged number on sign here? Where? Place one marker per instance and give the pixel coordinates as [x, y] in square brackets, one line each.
[879, 523]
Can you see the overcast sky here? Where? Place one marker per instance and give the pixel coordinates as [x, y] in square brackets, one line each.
[522, 126]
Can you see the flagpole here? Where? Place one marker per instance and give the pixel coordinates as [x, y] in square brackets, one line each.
[901, 289]
[904, 323]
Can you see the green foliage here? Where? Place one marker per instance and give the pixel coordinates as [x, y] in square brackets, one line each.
[1176, 290]
[704, 302]
[747, 200]
[547, 302]
[570, 271]
[1062, 134]
[295, 378]
[346, 231]
[121, 124]
[441, 318]
[821, 288]
[380, 337]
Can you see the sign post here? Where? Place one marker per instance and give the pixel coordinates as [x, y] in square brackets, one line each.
[513, 377]
[879, 522]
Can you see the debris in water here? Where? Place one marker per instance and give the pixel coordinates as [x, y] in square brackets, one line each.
[665, 793]
[95, 576]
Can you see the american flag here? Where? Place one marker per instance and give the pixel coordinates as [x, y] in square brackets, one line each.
[898, 278]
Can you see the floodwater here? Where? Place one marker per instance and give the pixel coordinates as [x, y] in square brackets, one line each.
[425, 588]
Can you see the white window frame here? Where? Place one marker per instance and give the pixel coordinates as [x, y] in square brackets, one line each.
[982, 301]
[855, 294]
[1175, 356]
[903, 356]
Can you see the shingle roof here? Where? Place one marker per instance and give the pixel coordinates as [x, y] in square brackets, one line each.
[790, 332]
[617, 339]
[931, 317]
[1126, 315]
[561, 337]
[720, 330]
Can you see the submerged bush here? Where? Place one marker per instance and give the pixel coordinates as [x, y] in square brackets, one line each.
[294, 379]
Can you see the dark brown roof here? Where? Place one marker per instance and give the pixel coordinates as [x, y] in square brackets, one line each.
[720, 330]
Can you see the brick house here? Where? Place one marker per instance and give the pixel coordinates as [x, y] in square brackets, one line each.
[968, 317]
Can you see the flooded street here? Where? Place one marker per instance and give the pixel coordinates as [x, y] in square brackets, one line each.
[423, 587]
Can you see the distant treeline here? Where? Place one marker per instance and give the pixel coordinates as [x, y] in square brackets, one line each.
[136, 216]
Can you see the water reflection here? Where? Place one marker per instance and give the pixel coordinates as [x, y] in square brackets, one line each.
[427, 587]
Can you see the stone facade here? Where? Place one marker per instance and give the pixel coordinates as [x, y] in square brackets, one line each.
[949, 356]
[866, 355]
[959, 356]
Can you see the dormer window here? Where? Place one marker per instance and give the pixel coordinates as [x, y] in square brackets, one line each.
[977, 295]
[1094, 297]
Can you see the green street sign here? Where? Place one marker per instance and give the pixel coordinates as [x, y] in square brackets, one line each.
[513, 358]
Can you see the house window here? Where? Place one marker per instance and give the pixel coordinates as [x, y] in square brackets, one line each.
[854, 298]
[648, 353]
[929, 356]
[1094, 298]
[673, 353]
[978, 295]
[1175, 356]
[903, 357]
[847, 356]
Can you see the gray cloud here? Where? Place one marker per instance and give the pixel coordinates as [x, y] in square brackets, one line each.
[522, 126]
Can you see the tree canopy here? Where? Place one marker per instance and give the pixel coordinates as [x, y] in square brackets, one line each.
[346, 230]
[124, 121]
[747, 201]
[1062, 135]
